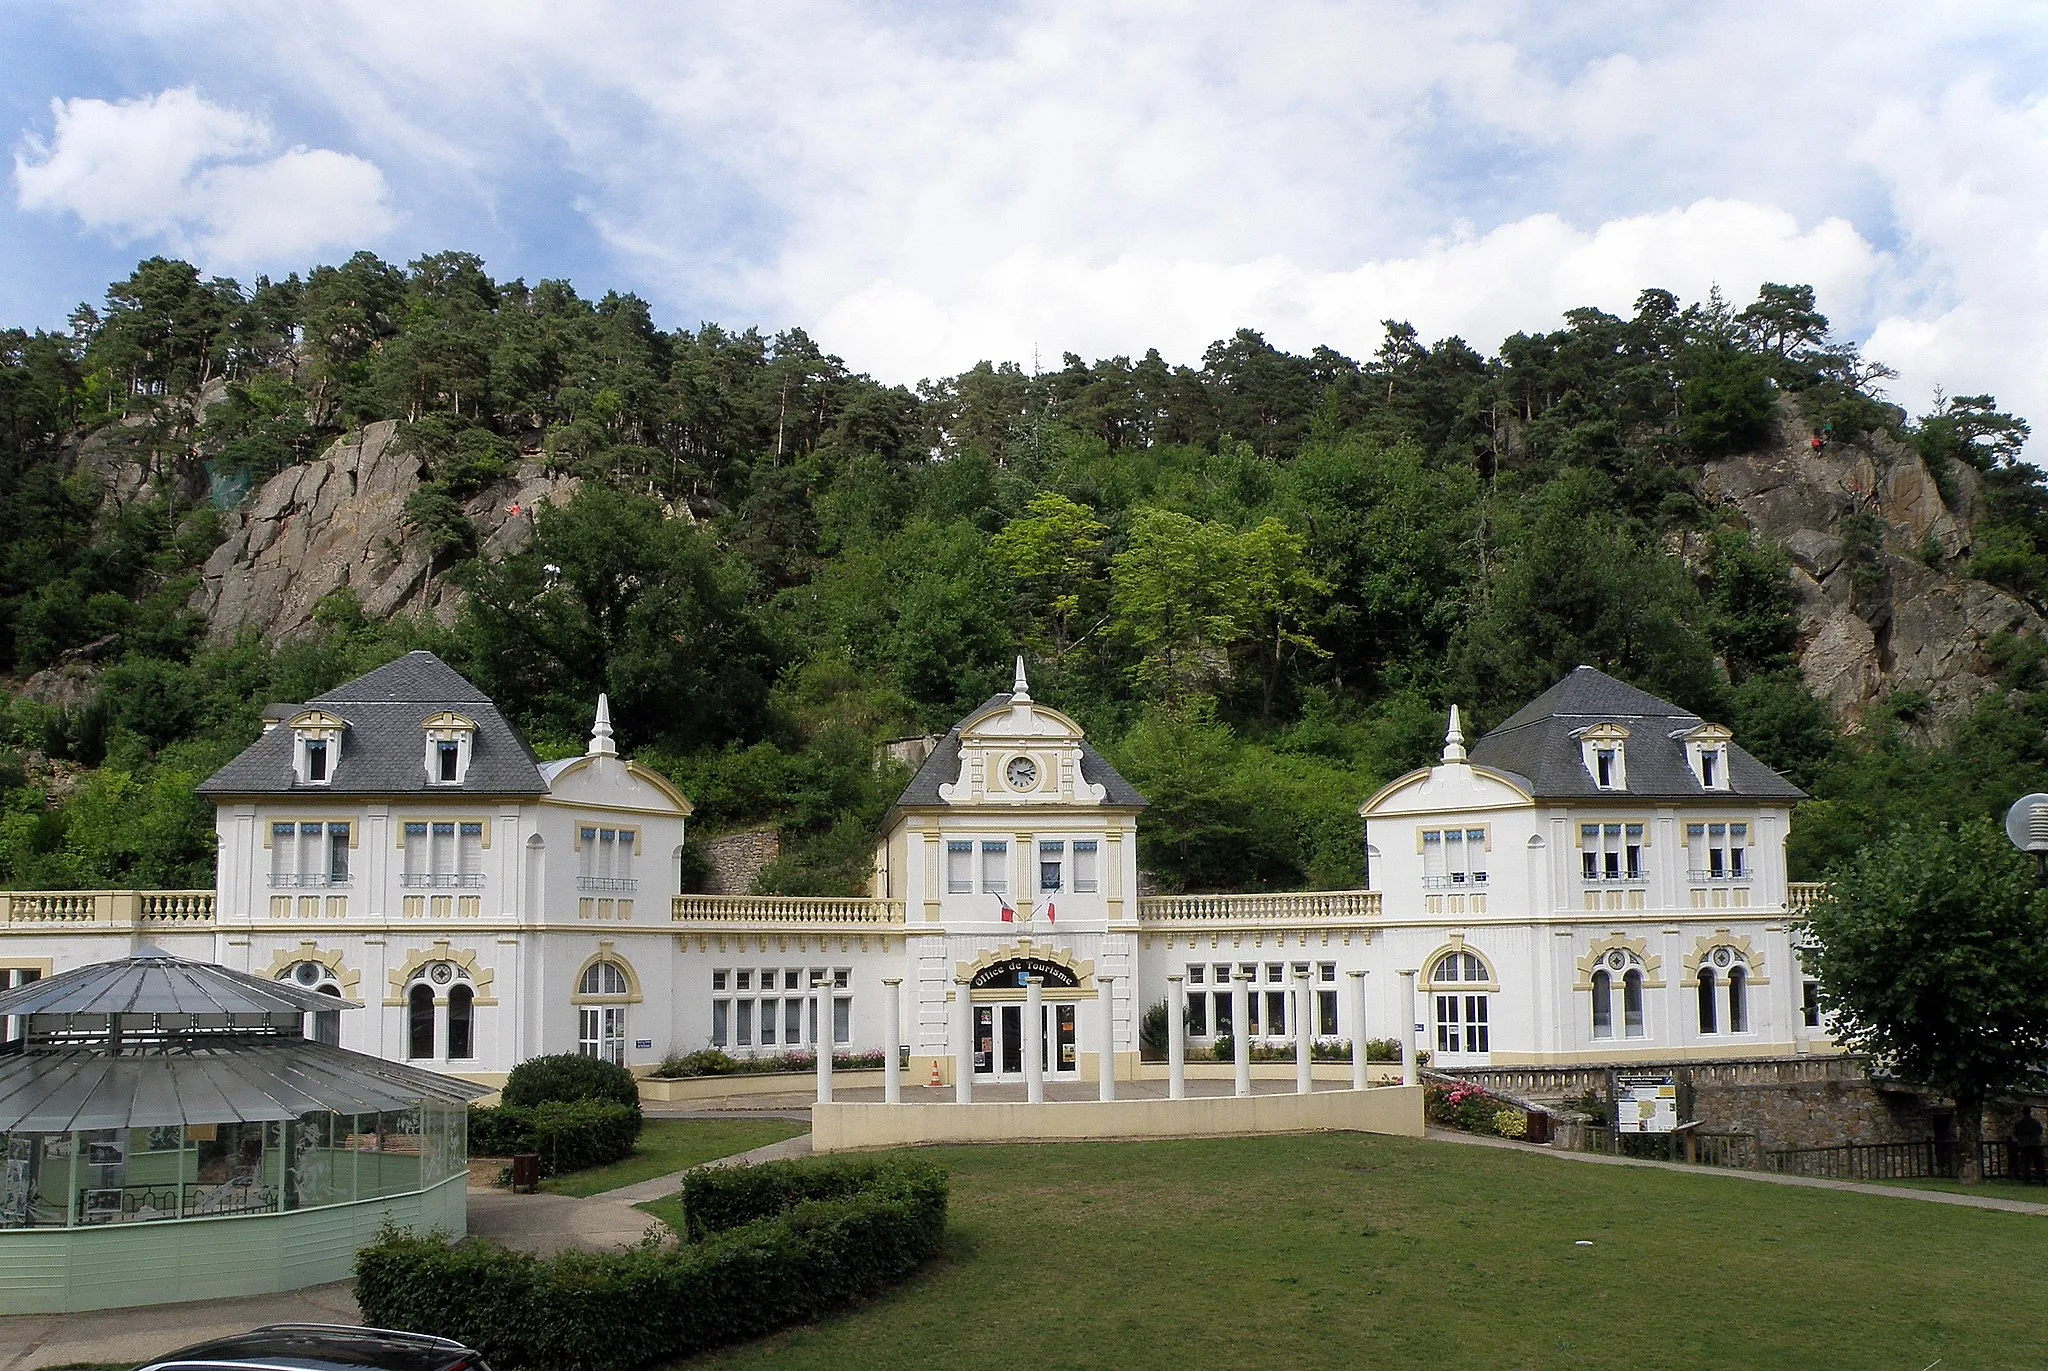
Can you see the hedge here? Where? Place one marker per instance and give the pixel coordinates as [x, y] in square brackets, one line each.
[768, 1246]
[568, 1136]
[710, 1061]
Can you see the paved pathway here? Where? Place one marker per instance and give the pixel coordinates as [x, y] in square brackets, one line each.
[1890, 1192]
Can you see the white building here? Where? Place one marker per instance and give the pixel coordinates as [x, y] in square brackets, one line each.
[1601, 879]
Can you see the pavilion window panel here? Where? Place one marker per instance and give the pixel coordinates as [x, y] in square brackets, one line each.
[743, 1024]
[470, 851]
[1051, 866]
[1086, 877]
[1326, 1014]
[995, 879]
[959, 868]
[721, 1012]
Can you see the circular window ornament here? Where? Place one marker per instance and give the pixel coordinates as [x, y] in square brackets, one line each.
[441, 972]
[1022, 773]
[307, 973]
[1618, 960]
[1722, 956]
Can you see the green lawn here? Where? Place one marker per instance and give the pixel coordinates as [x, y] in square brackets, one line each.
[668, 1145]
[1344, 1250]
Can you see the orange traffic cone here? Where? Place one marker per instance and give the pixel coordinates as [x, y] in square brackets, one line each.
[935, 1082]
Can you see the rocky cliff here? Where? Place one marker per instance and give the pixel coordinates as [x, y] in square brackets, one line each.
[340, 522]
[1877, 553]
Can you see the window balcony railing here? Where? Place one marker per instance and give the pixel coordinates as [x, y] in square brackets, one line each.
[1615, 877]
[307, 880]
[607, 882]
[441, 880]
[1710, 874]
[1457, 880]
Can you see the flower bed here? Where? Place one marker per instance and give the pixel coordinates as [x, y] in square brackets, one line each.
[712, 1062]
[1469, 1109]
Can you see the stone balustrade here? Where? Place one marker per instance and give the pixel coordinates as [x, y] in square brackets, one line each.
[1312, 906]
[780, 911]
[1801, 896]
[58, 908]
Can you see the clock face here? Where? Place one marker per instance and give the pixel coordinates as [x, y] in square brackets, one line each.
[1022, 773]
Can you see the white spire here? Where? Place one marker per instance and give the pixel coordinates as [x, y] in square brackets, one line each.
[1020, 689]
[1454, 741]
[601, 744]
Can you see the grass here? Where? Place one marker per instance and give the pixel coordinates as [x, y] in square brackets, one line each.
[669, 1145]
[1354, 1251]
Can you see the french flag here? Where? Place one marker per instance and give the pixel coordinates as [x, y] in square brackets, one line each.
[1050, 917]
[1009, 914]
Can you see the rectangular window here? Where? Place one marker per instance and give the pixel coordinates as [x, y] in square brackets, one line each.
[1453, 857]
[316, 760]
[995, 879]
[418, 854]
[744, 980]
[1085, 880]
[1195, 975]
[337, 854]
[1276, 1012]
[768, 1019]
[446, 756]
[1198, 1016]
[1222, 1012]
[792, 1021]
[1707, 760]
[720, 1010]
[743, 1027]
[1632, 848]
[1738, 840]
[284, 854]
[1326, 1013]
[842, 1019]
[443, 850]
[1603, 768]
[1809, 1003]
[792, 979]
[718, 979]
[1611, 852]
[959, 868]
[1051, 858]
[586, 859]
[471, 853]
[842, 978]
[1328, 972]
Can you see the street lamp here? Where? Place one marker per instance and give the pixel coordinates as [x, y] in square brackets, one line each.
[2026, 823]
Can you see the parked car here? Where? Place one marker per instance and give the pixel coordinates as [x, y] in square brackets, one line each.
[322, 1347]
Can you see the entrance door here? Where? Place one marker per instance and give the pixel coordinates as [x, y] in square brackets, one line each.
[999, 1041]
[1012, 1043]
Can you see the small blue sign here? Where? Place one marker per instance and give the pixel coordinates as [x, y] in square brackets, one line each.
[643, 1044]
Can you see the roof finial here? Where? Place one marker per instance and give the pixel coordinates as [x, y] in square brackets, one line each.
[601, 744]
[1020, 689]
[1454, 741]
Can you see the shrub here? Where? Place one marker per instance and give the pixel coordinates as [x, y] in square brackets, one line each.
[769, 1246]
[568, 1135]
[1511, 1123]
[1470, 1109]
[569, 1076]
[1331, 1050]
[1153, 1044]
[1383, 1050]
[1225, 1049]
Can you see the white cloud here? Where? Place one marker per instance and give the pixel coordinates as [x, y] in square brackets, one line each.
[192, 174]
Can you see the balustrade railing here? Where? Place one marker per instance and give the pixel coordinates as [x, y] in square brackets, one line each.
[1304, 906]
[784, 910]
[1801, 896]
[607, 882]
[70, 907]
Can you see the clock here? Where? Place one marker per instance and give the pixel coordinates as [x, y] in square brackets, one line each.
[1022, 773]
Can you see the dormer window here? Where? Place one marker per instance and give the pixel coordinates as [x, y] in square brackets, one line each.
[316, 746]
[448, 748]
[1706, 755]
[1603, 748]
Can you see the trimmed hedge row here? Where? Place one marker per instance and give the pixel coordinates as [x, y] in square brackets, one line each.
[569, 1136]
[770, 1246]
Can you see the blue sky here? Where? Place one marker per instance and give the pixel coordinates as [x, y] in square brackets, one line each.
[922, 187]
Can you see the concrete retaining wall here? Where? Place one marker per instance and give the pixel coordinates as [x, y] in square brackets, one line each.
[841, 1127]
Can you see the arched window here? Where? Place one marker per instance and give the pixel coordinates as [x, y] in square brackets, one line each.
[1738, 999]
[419, 1019]
[1709, 1018]
[1632, 1003]
[601, 1027]
[1617, 967]
[1459, 981]
[1724, 966]
[1603, 1005]
[461, 1021]
[322, 1026]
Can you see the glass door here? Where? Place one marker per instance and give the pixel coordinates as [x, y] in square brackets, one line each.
[1012, 1040]
[984, 1040]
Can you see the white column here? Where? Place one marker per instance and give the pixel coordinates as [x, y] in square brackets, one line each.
[1034, 1039]
[823, 991]
[1411, 1067]
[1358, 1064]
[892, 1050]
[1105, 1060]
[1240, 1022]
[1176, 1040]
[963, 1063]
[1304, 1032]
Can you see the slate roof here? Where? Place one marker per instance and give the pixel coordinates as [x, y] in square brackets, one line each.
[1538, 745]
[942, 767]
[384, 750]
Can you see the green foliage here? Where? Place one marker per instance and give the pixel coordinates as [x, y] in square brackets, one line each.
[769, 1246]
[1932, 956]
[1727, 401]
[568, 1135]
[1155, 1037]
[709, 1061]
[566, 1077]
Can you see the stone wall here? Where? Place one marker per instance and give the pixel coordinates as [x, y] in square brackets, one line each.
[733, 862]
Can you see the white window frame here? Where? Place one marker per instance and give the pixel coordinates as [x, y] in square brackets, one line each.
[1087, 866]
[959, 867]
[1455, 858]
[1614, 852]
[995, 868]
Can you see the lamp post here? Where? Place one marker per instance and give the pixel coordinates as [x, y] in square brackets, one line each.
[2026, 824]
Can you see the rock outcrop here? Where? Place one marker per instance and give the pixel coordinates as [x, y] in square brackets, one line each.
[339, 521]
[1894, 613]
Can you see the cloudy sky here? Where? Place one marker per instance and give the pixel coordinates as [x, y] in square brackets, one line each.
[925, 186]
